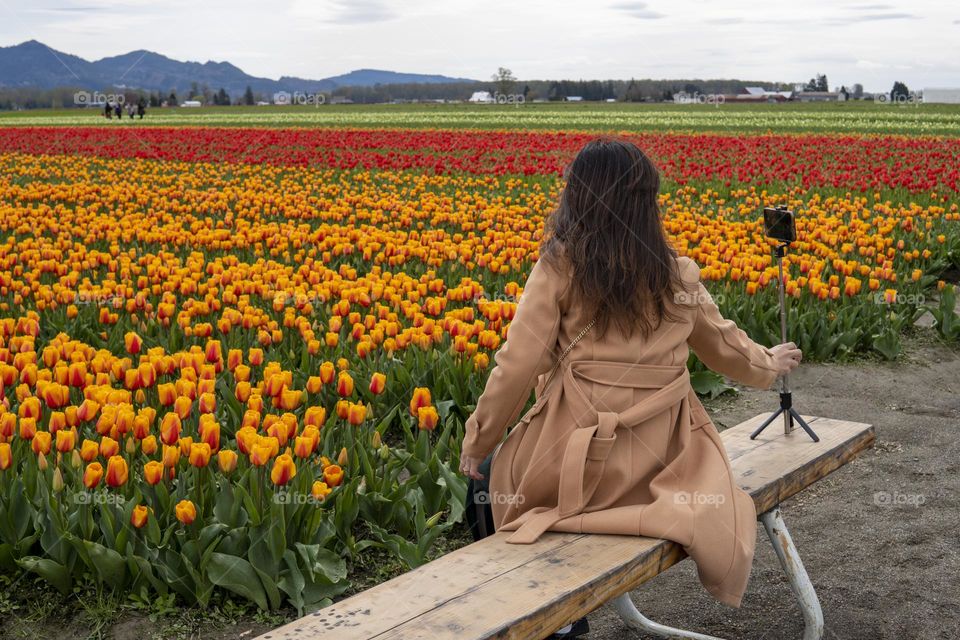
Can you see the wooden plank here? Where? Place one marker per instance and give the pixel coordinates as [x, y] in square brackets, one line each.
[428, 587]
[494, 589]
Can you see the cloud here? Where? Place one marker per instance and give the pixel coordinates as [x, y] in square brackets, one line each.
[637, 10]
[361, 12]
[734, 20]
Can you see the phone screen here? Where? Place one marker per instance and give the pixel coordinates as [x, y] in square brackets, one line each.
[778, 223]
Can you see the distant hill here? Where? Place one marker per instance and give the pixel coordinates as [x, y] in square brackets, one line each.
[33, 64]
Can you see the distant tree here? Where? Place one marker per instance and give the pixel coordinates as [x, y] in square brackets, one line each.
[248, 98]
[857, 91]
[843, 91]
[817, 84]
[504, 81]
[172, 99]
[194, 91]
[900, 92]
[221, 98]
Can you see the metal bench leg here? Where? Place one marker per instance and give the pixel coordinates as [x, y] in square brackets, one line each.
[792, 565]
[638, 622]
[796, 574]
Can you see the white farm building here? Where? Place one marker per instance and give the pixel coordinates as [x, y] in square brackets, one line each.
[941, 96]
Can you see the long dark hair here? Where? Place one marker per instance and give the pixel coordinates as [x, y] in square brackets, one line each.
[608, 227]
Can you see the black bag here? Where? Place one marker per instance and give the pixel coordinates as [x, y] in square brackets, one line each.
[479, 513]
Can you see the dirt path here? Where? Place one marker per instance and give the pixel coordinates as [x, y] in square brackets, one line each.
[882, 571]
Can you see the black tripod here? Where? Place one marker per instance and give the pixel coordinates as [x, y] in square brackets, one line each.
[786, 397]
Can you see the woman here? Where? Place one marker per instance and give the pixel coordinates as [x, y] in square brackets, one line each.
[617, 441]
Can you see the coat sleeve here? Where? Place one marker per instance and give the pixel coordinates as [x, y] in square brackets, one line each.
[721, 344]
[528, 352]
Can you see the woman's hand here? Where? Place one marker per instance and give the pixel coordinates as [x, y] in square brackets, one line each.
[470, 467]
[787, 357]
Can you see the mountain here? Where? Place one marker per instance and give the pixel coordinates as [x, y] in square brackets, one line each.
[33, 64]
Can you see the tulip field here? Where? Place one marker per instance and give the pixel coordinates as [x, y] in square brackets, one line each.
[235, 360]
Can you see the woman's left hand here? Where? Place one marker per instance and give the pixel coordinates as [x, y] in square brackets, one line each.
[470, 467]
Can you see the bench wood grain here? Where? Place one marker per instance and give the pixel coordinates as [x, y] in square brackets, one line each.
[491, 589]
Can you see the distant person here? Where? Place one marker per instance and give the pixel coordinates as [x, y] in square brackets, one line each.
[131, 110]
[108, 110]
[141, 108]
[118, 111]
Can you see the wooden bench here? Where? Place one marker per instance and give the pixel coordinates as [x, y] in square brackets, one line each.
[491, 589]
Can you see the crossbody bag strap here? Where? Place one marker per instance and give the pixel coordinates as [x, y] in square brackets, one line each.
[569, 348]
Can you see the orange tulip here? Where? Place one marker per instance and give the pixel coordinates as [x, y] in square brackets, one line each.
[153, 472]
[200, 454]
[421, 398]
[427, 418]
[227, 460]
[89, 450]
[303, 447]
[66, 440]
[6, 456]
[170, 428]
[333, 475]
[167, 393]
[149, 445]
[260, 454]
[315, 417]
[378, 382]
[186, 512]
[132, 342]
[320, 490]
[171, 455]
[92, 475]
[344, 384]
[117, 471]
[138, 517]
[356, 413]
[207, 403]
[109, 447]
[8, 424]
[284, 470]
[327, 371]
[41, 443]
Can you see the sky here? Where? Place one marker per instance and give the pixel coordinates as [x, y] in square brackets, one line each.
[873, 43]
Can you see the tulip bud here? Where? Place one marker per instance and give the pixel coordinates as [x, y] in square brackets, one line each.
[57, 480]
[343, 458]
[42, 462]
[376, 440]
[384, 452]
[434, 519]
[75, 460]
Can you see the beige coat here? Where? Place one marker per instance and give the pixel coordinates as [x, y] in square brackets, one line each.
[618, 442]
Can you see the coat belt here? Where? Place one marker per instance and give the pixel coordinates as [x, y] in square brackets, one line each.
[589, 445]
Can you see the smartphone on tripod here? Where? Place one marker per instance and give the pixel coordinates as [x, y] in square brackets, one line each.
[780, 224]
